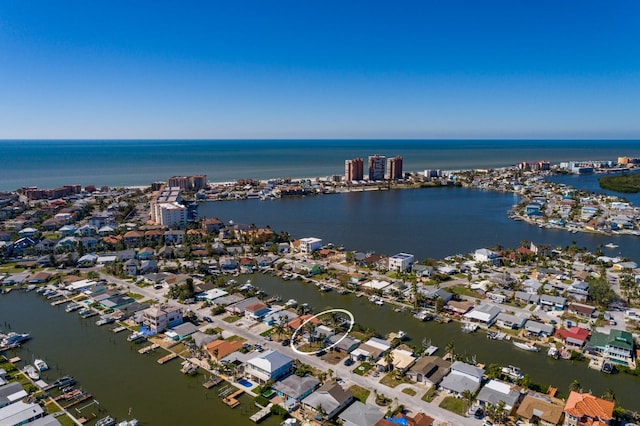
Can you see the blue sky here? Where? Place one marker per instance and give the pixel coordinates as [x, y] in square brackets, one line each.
[319, 69]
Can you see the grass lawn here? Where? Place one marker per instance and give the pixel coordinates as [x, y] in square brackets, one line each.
[363, 368]
[234, 338]
[360, 393]
[456, 405]
[391, 380]
[463, 290]
[409, 391]
[268, 332]
[232, 318]
[429, 395]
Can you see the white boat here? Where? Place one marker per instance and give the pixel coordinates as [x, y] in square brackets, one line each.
[611, 245]
[132, 422]
[512, 372]
[31, 371]
[292, 303]
[379, 302]
[553, 352]
[526, 347]
[106, 421]
[105, 320]
[469, 327]
[188, 368]
[401, 334]
[73, 306]
[14, 340]
[135, 336]
[40, 364]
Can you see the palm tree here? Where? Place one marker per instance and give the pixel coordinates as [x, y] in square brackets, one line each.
[388, 359]
[609, 395]
[575, 386]
[469, 397]
[450, 348]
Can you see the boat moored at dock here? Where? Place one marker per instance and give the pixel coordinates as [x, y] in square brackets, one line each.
[40, 364]
[526, 346]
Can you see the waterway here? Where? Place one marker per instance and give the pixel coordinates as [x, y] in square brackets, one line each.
[429, 223]
[113, 371]
[541, 368]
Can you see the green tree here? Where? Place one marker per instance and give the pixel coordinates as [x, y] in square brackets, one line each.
[575, 386]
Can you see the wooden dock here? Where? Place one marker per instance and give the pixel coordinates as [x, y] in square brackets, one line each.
[148, 349]
[231, 400]
[119, 329]
[260, 415]
[77, 401]
[167, 358]
[212, 382]
[59, 302]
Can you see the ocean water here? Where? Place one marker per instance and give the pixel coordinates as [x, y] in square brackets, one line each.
[49, 164]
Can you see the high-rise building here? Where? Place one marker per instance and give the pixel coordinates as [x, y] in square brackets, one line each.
[394, 168]
[354, 169]
[376, 167]
[188, 183]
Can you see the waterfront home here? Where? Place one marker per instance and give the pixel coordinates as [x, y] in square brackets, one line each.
[510, 321]
[359, 414]
[574, 336]
[158, 318]
[496, 391]
[228, 263]
[586, 409]
[486, 255]
[21, 412]
[541, 409]
[309, 244]
[434, 294]
[201, 340]
[211, 294]
[371, 350]
[539, 329]
[269, 365]
[421, 270]
[256, 311]
[212, 225]
[586, 311]
[462, 377]
[10, 393]
[484, 314]
[402, 360]
[239, 307]
[294, 389]
[295, 323]
[181, 331]
[555, 302]
[346, 345]
[220, 349]
[401, 262]
[39, 277]
[459, 307]
[16, 279]
[618, 347]
[429, 370]
[331, 398]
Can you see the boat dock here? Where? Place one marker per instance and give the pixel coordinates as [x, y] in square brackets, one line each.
[59, 302]
[231, 400]
[148, 349]
[431, 350]
[264, 412]
[212, 382]
[119, 329]
[167, 358]
[77, 401]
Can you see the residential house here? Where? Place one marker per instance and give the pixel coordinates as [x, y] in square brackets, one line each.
[462, 377]
[485, 314]
[256, 312]
[526, 297]
[618, 346]
[39, 277]
[182, 331]
[295, 323]
[269, 365]
[21, 412]
[294, 389]
[146, 253]
[220, 349]
[130, 267]
[419, 419]
[344, 344]
[510, 321]
[133, 238]
[309, 245]
[359, 414]
[555, 302]
[541, 410]
[174, 236]
[586, 409]
[212, 225]
[586, 311]
[574, 336]
[401, 262]
[402, 360]
[429, 370]
[238, 308]
[486, 255]
[87, 260]
[579, 291]
[331, 398]
[496, 391]
[10, 392]
[539, 329]
[371, 350]
[161, 317]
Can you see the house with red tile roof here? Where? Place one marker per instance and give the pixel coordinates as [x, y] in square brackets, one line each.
[584, 409]
[574, 336]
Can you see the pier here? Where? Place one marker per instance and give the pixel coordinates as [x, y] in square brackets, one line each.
[213, 381]
[119, 329]
[260, 415]
[231, 400]
[167, 358]
[148, 349]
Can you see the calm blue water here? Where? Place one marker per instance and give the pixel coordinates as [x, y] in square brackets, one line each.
[48, 164]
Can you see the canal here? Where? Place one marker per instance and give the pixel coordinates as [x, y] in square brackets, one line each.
[541, 368]
[111, 369]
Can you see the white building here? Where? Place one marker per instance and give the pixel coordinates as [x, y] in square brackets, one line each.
[310, 244]
[167, 209]
[401, 262]
[486, 255]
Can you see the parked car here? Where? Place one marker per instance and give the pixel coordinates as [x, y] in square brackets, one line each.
[207, 319]
[349, 362]
[286, 342]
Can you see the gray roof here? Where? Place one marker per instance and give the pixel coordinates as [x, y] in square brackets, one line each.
[490, 395]
[275, 359]
[295, 386]
[359, 414]
[330, 396]
[469, 369]
[553, 299]
[539, 327]
[459, 383]
[185, 329]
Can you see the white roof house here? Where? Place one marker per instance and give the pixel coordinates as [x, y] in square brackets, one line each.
[376, 285]
[401, 262]
[483, 313]
[310, 244]
[485, 255]
[495, 391]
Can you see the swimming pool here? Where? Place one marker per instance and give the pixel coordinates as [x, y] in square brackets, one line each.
[245, 383]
